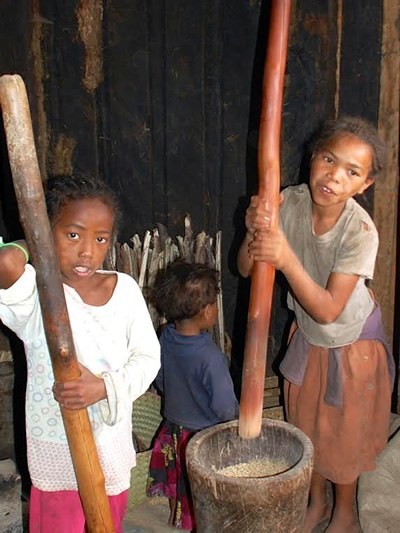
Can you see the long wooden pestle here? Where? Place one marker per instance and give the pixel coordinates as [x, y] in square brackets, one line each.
[263, 274]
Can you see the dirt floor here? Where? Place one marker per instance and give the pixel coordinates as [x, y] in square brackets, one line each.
[151, 517]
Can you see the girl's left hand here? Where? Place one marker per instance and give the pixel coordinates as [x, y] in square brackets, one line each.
[81, 392]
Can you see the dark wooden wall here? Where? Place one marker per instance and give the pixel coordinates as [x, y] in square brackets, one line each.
[162, 99]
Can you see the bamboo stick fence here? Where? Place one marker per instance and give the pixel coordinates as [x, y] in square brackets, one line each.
[143, 259]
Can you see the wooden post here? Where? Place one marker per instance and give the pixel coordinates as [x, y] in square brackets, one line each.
[33, 215]
[263, 274]
[386, 188]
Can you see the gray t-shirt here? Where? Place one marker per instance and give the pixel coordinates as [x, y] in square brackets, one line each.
[350, 247]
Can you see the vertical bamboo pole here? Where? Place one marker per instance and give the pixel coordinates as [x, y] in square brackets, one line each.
[263, 274]
[33, 215]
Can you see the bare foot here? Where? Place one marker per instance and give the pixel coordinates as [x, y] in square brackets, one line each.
[172, 509]
[316, 513]
[341, 524]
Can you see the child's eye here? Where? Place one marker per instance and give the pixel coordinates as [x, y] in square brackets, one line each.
[328, 159]
[73, 236]
[353, 173]
[101, 240]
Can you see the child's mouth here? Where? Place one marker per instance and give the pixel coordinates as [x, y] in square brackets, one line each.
[82, 271]
[326, 190]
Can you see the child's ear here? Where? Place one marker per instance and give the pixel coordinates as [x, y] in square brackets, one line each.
[368, 182]
[209, 312]
[202, 314]
[206, 311]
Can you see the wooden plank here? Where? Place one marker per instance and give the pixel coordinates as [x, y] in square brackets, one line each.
[357, 86]
[184, 80]
[271, 402]
[270, 393]
[276, 413]
[360, 68]
[157, 119]
[272, 397]
[310, 82]
[386, 188]
[70, 110]
[213, 116]
[271, 382]
[126, 111]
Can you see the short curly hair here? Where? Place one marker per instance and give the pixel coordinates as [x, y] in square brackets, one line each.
[359, 127]
[183, 289]
[60, 190]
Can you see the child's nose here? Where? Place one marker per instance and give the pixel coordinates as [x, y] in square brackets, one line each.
[334, 175]
[86, 249]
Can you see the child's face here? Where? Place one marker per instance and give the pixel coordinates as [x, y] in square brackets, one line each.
[211, 315]
[340, 170]
[82, 233]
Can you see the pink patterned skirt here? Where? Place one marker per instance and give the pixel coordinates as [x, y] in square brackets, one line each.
[167, 472]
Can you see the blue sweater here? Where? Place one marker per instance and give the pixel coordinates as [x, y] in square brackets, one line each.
[195, 381]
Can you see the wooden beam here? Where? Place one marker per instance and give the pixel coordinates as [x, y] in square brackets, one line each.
[387, 187]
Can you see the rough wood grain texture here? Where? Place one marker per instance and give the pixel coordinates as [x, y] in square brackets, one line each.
[272, 393]
[359, 86]
[38, 32]
[89, 14]
[29, 191]
[387, 187]
[276, 413]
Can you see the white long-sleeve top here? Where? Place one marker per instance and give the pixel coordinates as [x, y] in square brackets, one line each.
[118, 342]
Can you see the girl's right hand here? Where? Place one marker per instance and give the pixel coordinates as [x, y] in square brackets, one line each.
[258, 225]
[257, 218]
[267, 242]
[258, 215]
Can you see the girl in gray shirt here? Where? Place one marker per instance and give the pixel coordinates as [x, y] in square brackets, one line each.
[338, 371]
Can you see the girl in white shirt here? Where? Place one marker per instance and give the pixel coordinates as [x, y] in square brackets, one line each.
[115, 343]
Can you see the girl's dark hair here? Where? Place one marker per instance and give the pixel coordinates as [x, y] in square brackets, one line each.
[60, 190]
[183, 289]
[359, 127]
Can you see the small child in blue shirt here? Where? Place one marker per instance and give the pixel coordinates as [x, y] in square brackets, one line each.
[194, 380]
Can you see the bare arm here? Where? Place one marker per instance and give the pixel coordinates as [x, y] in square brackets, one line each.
[12, 264]
[323, 304]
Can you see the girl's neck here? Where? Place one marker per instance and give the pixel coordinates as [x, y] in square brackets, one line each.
[323, 219]
[97, 290]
